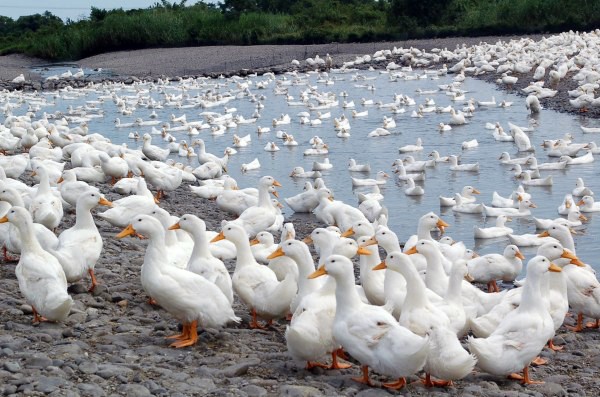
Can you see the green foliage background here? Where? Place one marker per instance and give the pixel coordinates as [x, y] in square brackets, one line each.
[247, 22]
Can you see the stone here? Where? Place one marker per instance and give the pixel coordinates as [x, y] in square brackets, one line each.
[239, 369]
[551, 389]
[372, 393]
[299, 391]
[134, 390]
[254, 391]
[109, 370]
[12, 366]
[88, 367]
[48, 384]
[38, 360]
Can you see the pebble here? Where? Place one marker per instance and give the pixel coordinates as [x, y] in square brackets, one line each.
[38, 360]
[239, 369]
[12, 366]
[133, 390]
[299, 391]
[254, 391]
[48, 384]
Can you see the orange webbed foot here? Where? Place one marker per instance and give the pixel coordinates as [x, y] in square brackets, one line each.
[396, 385]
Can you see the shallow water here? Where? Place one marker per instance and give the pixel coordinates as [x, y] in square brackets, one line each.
[380, 152]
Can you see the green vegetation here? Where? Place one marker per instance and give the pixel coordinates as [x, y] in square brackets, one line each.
[245, 22]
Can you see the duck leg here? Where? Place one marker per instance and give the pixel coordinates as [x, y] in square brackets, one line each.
[8, 258]
[527, 380]
[365, 376]
[553, 347]
[192, 336]
[94, 281]
[183, 335]
[254, 323]
[579, 326]
[36, 317]
[334, 361]
[315, 364]
[428, 382]
[593, 324]
[493, 287]
[539, 361]
[396, 385]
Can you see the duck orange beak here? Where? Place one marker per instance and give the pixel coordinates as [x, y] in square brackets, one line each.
[254, 241]
[380, 266]
[105, 202]
[348, 233]
[441, 224]
[275, 183]
[218, 237]
[318, 273]
[520, 255]
[581, 202]
[475, 191]
[60, 180]
[277, 253]
[554, 268]
[4, 219]
[412, 250]
[371, 241]
[544, 234]
[582, 218]
[128, 231]
[307, 240]
[363, 251]
[175, 226]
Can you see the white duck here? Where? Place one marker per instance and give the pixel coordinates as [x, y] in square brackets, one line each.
[202, 261]
[580, 189]
[189, 297]
[256, 285]
[154, 152]
[412, 189]
[76, 262]
[447, 360]
[523, 333]
[41, 278]
[412, 148]
[70, 188]
[305, 201]
[45, 208]
[354, 167]
[499, 230]
[369, 333]
[491, 267]
[523, 210]
[381, 179]
[124, 209]
[466, 194]
[454, 166]
[587, 204]
[261, 216]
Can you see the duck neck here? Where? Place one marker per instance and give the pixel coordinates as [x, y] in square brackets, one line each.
[305, 267]
[263, 197]
[244, 254]
[201, 247]
[44, 185]
[435, 272]
[156, 247]
[415, 289]
[28, 238]
[453, 294]
[346, 295]
[83, 216]
[531, 299]
[424, 232]
[368, 262]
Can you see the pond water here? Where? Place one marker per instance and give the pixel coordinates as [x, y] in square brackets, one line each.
[380, 152]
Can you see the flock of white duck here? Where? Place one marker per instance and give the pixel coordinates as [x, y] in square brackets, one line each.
[398, 322]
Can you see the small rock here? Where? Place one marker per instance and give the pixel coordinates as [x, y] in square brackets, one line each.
[48, 384]
[12, 366]
[239, 369]
[88, 367]
[552, 389]
[38, 360]
[90, 390]
[122, 303]
[372, 393]
[299, 391]
[134, 390]
[254, 391]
